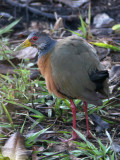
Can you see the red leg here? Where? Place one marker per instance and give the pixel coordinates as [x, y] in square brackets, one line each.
[73, 107]
[86, 115]
[74, 134]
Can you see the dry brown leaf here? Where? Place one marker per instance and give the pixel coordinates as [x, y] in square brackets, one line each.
[14, 148]
[26, 53]
[58, 24]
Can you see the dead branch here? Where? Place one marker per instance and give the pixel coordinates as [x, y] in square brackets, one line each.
[38, 12]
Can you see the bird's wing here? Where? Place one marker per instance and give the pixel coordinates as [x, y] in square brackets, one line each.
[72, 61]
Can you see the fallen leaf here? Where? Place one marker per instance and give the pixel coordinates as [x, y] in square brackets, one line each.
[26, 53]
[14, 148]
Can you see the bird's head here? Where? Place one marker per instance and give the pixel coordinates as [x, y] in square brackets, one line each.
[35, 39]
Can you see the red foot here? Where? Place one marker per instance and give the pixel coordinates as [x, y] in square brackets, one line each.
[74, 134]
[89, 135]
[74, 137]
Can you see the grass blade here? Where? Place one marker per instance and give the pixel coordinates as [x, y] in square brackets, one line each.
[32, 138]
[26, 107]
[8, 115]
[99, 44]
[8, 28]
[83, 27]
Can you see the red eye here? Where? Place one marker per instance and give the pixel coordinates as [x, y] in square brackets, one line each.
[35, 38]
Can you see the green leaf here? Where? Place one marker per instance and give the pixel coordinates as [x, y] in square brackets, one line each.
[5, 158]
[83, 26]
[99, 44]
[35, 136]
[29, 108]
[8, 115]
[102, 146]
[81, 135]
[21, 130]
[7, 125]
[6, 78]
[116, 27]
[8, 28]
[113, 156]
[75, 33]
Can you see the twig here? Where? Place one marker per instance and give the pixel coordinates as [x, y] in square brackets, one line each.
[38, 12]
[115, 132]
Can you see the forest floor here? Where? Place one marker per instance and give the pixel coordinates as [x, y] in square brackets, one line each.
[32, 120]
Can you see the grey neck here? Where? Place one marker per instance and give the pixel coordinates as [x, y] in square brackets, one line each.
[46, 47]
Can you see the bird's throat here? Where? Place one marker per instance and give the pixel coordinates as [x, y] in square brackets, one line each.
[46, 48]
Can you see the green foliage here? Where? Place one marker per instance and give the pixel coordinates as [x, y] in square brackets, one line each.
[63, 155]
[85, 27]
[116, 28]
[4, 158]
[82, 28]
[33, 138]
[26, 107]
[9, 27]
[8, 115]
[90, 151]
[3, 48]
[17, 87]
[104, 45]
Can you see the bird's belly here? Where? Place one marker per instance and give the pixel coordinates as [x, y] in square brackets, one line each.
[72, 86]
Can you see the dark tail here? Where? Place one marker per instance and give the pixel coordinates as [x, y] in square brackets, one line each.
[98, 77]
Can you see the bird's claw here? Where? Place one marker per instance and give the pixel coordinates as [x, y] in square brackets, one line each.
[74, 137]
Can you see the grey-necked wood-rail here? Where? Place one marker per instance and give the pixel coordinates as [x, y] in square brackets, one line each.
[71, 69]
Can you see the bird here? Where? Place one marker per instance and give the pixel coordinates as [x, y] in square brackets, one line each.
[72, 70]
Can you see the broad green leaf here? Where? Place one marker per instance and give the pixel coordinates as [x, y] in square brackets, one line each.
[116, 27]
[99, 44]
